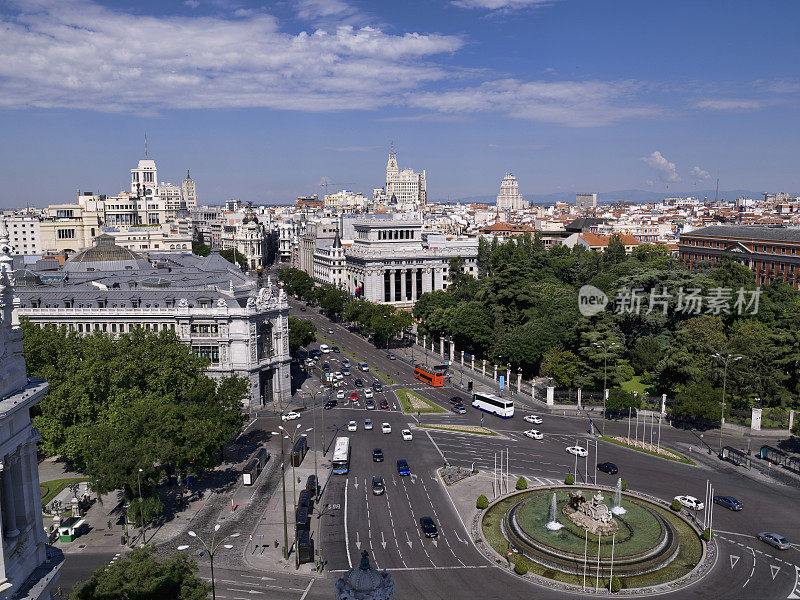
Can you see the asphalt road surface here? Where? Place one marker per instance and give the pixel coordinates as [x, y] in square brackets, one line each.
[450, 567]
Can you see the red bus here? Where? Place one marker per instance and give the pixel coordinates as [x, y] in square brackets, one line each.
[432, 376]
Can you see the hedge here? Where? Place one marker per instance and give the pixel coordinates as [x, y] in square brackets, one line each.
[482, 502]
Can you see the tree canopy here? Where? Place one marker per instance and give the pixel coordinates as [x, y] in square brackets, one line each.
[301, 333]
[141, 575]
[142, 400]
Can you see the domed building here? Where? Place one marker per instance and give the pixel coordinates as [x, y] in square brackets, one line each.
[247, 237]
[105, 255]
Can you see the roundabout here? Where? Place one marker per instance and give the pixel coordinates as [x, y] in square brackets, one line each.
[574, 538]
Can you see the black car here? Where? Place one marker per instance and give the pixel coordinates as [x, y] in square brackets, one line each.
[303, 309]
[728, 502]
[377, 386]
[326, 367]
[336, 349]
[359, 383]
[316, 353]
[428, 527]
[330, 404]
[608, 467]
[456, 401]
[459, 410]
[377, 455]
[384, 404]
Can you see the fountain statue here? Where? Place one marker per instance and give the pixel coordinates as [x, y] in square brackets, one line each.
[618, 510]
[552, 524]
[593, 515]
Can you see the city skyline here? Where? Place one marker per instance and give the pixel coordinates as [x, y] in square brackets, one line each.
[262, 104]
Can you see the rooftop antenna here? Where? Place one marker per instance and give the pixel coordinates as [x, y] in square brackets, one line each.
[145, 145]
[716, 192]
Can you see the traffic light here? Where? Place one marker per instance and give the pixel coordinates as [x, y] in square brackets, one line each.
[469, 385]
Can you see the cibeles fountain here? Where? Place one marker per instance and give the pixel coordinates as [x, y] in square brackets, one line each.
[569, 532]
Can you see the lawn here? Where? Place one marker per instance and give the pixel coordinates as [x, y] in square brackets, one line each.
[672, 455]
[635, 385]
[412, 402]
[50, 489]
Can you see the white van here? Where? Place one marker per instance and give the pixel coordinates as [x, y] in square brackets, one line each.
[324, 348]
[362, 366]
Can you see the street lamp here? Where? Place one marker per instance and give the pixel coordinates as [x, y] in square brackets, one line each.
[211, 549]
[283, 481]
[606, 347]
[141, 504]
[293, 437]
[726, 360]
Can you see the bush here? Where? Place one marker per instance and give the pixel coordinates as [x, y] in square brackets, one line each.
[615, 585]
[708, 535]
[676, 506]
[624, 484]
[522, 483]
[482, 502]
[521, 565]
[569, 479]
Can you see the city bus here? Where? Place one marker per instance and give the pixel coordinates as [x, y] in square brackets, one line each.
[502, 407]
[341, 455]
[432, 376]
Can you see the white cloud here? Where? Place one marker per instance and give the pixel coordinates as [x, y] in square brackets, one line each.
[730, 104]
[571, 103]
[700, 173]
[500, 4]
[69, 54]
[191, 3]
[665, 168]
[313, 9]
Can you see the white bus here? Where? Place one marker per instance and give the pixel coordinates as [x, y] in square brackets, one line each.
[502, 407]
[341, 455]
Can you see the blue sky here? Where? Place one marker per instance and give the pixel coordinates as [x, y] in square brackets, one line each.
[263, 100]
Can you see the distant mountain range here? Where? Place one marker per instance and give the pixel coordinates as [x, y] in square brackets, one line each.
[634, 196]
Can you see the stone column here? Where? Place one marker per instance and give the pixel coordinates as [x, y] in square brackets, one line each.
[9, 503]
[414, 292]
[551, 393]
[483, 367]
[462, 358]
[791, 419]
[452, 350]
[495, 373]
[664, 405]
[26, 499]
[580, 392]
[33, 475]
[533, 389]
[403, 284]
[755, 419]
[473, 363]
[519, 382]
[391, 286]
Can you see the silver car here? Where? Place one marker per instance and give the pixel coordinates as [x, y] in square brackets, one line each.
[776, 540]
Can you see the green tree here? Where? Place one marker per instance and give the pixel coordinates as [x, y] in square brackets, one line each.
[200, 249]
[731, 274]
[615, 253]
[140, 574]
[620, 400]
[235, 257]
[645, 355]
[698, 400]
[688, 357]
[297, 282]
[331, 300]
[562, 365]
[301, 333]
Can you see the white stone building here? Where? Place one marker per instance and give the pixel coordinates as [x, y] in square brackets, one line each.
[330, 263]
[208, 302]
[247, 236]
[405, 189]
[509, 197]
[29, 568]
[24, 233]
[586, 201]
[189, 192]
[395, 262]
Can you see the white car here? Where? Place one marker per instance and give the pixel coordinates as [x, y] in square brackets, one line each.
[578, 451]
[340, 395]
[352, 426]
[533, 419]
[290, 416]
[338, 375]
[536, 435]
[407, 435]
[368, 393]
[324, 348]
[367, 424]
[690, 502]
[330, 331]
[386, 428]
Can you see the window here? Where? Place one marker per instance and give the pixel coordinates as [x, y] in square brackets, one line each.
[209, 352]
[264, 341]
[66, 234]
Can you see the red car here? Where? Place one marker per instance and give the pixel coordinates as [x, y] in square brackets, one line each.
[384, 404]
[354, 396]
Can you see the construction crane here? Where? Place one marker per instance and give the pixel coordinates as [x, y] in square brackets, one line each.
[327, 183]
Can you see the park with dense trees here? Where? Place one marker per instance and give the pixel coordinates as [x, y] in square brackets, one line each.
[141, 400]
[524, 311]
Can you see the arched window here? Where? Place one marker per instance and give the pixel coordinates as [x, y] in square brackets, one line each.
[264, 341]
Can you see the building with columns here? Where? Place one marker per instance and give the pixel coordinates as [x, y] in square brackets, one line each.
[208, 302]
[29, 568]
[395, 262]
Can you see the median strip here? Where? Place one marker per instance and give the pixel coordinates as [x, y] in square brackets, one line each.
[412, 402]
[644, 447]
[472, 429]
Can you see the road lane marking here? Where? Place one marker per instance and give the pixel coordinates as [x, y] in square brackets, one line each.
[346, 537]
[774, 569]
[734, 560]
[310, 583]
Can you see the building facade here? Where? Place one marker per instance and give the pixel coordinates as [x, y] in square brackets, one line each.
[773, 254]
[330, 264]
[24, 233]
[585, 202]
[509, 197]
[393, 262]
[189, 192]
[405, 188]
[29, 568]
[208, 302]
